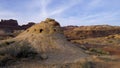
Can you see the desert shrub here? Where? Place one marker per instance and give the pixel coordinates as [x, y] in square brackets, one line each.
[27, 30]
[98, 51]
[6, 43]
[110, 41]
[34, 29]
[26, 52]
[9, 42]
[1, 38]
[83, 47]
[17, 51]
[6, 59]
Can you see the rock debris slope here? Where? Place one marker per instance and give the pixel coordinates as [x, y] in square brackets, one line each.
[47, 41]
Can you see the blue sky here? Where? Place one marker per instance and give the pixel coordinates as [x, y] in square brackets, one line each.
[67, 12]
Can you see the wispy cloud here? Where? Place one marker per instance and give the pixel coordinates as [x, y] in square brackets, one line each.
[44, 11]
[41, 7]
[63, 7]
[47, 11]
[68, 12]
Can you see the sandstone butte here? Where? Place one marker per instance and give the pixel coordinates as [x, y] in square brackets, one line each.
[47, 41]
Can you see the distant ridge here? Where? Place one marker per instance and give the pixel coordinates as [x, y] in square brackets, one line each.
[13, 25]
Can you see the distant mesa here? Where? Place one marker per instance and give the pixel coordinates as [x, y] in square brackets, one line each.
[11, 22]
[10, 28]
[13, 25]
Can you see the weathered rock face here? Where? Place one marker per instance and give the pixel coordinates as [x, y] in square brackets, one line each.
[47, 31]
[47, 40]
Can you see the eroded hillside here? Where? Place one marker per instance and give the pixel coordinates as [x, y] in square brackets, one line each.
[44, 46]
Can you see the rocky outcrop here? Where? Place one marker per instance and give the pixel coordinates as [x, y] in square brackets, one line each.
[45, 42]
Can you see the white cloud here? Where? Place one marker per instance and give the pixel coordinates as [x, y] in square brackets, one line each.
[41, 6]
[63, 7]
[90, 19]
[45, 10]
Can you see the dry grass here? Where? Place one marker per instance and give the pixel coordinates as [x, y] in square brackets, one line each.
[108, 45]
[108, 40]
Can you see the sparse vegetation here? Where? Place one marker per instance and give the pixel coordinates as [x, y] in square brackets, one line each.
[46, 42]
[6, 43]
[98, 51]
[15, 53]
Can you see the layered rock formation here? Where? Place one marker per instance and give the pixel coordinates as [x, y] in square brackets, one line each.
[83, 32]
